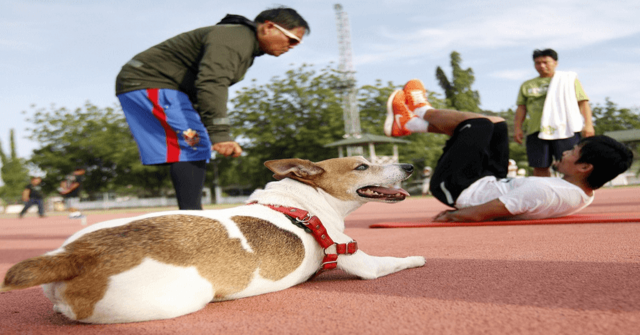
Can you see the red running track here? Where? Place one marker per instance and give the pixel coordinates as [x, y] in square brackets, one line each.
[537, 279]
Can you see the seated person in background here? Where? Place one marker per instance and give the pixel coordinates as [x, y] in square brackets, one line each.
[513, 169]
[471, 173]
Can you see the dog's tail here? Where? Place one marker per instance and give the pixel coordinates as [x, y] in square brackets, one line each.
[42, 270]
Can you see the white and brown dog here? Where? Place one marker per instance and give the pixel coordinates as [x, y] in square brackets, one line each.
[168, 264]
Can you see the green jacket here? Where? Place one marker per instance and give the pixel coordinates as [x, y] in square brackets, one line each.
[202, 63]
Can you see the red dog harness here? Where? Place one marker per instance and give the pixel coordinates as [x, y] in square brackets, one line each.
[311, 224]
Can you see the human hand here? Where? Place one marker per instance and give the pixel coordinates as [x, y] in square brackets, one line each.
[588, 131]
[518, 135]
[443, 216]
[230, 148]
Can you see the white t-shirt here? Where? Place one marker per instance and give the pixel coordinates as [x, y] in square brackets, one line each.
[527, 198]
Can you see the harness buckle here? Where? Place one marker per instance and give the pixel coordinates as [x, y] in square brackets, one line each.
[302, 223]
[330, 261]
[331, 253]
[305, 220]
[329, 265]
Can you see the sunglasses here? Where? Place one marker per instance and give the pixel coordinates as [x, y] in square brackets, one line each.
[293, 39]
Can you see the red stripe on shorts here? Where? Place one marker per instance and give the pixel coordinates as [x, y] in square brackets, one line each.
[173, 148]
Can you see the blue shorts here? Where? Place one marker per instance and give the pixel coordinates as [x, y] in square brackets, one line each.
[165, 126]
[541, 153]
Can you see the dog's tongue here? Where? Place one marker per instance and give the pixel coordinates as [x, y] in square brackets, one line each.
[389, 191]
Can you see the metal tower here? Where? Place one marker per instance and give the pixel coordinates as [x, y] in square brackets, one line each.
[347, 86]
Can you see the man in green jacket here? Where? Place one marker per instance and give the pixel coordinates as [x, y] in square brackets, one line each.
[174, 94]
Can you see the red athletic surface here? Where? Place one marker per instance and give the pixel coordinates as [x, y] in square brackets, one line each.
[571, 219]
[524, 279]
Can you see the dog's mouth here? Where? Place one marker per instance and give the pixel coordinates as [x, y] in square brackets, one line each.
[383, 193]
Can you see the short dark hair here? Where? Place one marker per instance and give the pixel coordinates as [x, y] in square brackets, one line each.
[286, 17]
[608, 157]
[546, 52]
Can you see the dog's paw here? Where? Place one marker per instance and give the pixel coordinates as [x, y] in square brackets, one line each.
[417, 261]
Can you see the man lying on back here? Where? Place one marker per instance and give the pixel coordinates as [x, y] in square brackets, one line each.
[471, 173]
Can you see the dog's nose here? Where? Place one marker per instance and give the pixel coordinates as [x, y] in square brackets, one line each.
[407, 168]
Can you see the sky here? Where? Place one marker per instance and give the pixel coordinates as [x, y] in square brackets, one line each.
[68, 52]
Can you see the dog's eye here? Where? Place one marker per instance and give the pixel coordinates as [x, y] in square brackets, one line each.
[362, 167]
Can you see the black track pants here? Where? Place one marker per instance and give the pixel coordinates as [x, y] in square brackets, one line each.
[188, 181]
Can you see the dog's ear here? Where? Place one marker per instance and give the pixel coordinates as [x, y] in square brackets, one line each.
[301, 170]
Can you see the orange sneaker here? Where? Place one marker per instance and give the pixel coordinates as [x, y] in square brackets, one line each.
[415, 94]
[397, 115]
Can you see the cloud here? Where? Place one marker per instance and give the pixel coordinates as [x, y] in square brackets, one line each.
[15, 45]
[515, 75]
[616, 80]
[498, 24]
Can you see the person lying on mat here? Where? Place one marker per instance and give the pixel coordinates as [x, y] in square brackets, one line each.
[471, 173]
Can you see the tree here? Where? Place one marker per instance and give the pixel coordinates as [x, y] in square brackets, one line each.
[293, 116]
[97, 139]
[609, 118]
[458, 92]
[14, 173]
[372, 101]
[297, 115]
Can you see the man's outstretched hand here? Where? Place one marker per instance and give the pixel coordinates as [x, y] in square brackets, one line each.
[230, 148]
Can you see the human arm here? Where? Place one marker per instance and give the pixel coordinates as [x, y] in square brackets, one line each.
[227, 54]
[521, 113]
[585, 110]
[25, 194]
[68, 188]
[491, 210]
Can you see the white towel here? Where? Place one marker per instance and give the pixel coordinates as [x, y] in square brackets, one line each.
[561, 116]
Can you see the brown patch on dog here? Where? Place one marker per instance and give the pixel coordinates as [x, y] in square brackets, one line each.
[340, 176]
[279, 252]
[180, 240]
[30, 272]
[336, 176]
